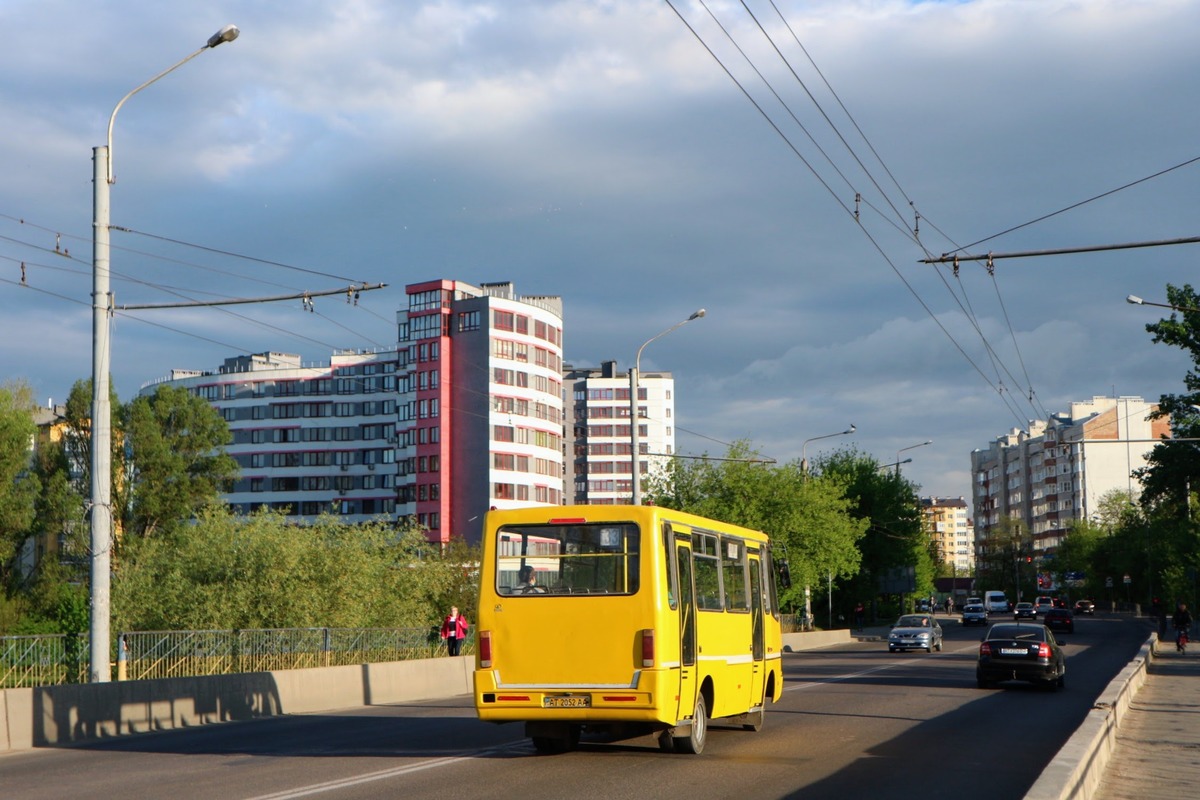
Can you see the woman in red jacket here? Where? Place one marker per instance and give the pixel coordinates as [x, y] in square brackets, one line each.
[454, 630]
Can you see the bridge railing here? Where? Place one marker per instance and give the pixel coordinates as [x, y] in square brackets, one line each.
[51, 659]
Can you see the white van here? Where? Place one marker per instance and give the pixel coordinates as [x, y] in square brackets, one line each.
[995, 602]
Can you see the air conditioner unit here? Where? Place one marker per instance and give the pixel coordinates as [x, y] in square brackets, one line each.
[370, 466]
[345, 467]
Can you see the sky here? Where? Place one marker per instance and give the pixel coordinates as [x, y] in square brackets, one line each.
[641, 159]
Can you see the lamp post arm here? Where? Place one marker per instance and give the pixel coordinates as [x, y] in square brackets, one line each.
[226, 34]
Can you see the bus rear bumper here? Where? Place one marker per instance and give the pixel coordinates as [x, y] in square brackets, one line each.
[572, 704]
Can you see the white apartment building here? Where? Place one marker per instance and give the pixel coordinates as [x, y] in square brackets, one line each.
[1059, 469]
[600, 468]
[309, 439]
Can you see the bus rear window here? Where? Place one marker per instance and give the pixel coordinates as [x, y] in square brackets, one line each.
[576, 558]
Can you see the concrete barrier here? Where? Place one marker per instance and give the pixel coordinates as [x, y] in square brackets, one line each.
[46, 716]
[54, 715]
[810, 640]
[1076, 770]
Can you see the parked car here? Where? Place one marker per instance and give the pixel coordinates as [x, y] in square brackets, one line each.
[1023, 652]
[974, 614]
[1024, 611]
[1085, 607]
[915, 632]
[1059, 619]
[974, 601]
[923, 606]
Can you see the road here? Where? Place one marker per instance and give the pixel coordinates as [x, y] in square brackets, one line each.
[854, 721]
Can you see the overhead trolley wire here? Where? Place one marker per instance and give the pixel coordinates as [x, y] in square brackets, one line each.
[999, 389]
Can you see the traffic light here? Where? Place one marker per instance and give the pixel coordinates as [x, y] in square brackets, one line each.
[1028, 559]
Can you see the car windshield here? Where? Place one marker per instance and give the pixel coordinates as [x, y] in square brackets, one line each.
[973, 609]
[912, 621]
[1024, 605]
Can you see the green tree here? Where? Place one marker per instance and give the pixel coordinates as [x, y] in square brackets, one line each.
[175, 442]
[888, 506]
[227, 572]
[19, 485]
[807, 518]
[1172, 475]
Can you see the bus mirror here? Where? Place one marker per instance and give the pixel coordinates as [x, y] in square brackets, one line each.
[784, 573]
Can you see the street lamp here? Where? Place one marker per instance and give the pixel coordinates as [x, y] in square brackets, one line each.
[910, 447]
[804, 447]
[101, 434]
[1137, 301]
[635, 464]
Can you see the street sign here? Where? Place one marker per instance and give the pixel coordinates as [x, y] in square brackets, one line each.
[1128, 580]
[1108, 583]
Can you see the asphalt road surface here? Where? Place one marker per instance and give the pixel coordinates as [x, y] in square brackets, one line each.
[854, 722]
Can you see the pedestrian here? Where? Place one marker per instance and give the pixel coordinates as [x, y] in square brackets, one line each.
[860, 613]
[454, 630]
[1182, 622]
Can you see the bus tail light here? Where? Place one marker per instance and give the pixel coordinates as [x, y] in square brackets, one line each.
[648, 647]
[485, 648]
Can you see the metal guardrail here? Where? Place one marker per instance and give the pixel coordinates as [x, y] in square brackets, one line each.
[42, 660]
[48, 660]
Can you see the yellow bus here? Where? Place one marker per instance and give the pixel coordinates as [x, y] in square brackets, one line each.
[625, 620]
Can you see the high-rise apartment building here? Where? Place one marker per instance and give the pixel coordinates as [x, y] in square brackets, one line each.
[599, 471]
[481, 405]
[947, 522]
[1059, 469]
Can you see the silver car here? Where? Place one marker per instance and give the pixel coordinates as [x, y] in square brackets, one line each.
[974, 615]
[915, 632]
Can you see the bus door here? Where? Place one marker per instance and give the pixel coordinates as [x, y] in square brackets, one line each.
[688, 677]
[757, 635]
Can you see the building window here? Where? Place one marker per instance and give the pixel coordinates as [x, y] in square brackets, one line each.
[468, 321]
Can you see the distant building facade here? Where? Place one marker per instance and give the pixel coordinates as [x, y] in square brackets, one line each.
[309, 439]
[1059, 469]
[947, 521]
[599, 466]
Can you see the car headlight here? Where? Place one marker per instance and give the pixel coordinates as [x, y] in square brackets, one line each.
[922, 635]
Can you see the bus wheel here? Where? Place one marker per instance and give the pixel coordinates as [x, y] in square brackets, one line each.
[548, 745]
[698, 732]
[754, 719]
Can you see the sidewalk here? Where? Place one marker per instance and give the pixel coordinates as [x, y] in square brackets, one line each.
[1157, 750]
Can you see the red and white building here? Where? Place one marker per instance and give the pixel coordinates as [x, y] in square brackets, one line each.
[480, 420]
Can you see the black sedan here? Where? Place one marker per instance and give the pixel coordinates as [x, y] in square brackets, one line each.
[1085, 607]
[1059, 619]
[1015, 651]
[1024, 611]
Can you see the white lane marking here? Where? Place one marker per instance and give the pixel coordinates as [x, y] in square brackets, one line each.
[384, 774]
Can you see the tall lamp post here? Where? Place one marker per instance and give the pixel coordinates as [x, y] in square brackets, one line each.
[635, 463]
[910, 447]
[804, 447]
[101, 434]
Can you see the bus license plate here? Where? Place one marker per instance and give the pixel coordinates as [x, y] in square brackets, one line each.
[572, 701]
